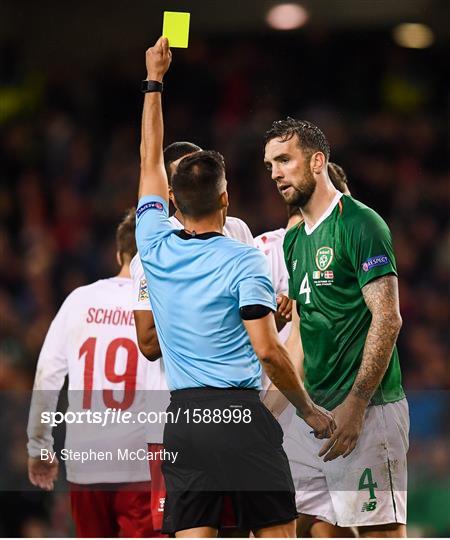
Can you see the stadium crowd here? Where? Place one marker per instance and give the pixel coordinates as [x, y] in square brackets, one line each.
[69, 155]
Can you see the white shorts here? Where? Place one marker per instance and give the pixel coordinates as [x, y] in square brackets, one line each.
[368, 487]
[157, 399]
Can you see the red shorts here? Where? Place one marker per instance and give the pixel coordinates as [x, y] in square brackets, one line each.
[228, 518]
[112, 510]
[158, 489]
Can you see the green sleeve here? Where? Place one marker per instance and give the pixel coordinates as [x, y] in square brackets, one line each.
[369, 246]
[291, 292]
[288, 246]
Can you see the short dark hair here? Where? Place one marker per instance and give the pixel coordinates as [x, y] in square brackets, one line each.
[310, 137]
[175, 151]
[198, 183]
[125, 235]
[337, 176]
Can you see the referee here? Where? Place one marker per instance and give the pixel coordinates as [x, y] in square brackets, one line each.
[213, 304]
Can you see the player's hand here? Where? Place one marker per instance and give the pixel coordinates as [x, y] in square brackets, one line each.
[284, 309]
[157, 59]
[320, 420]
[349, 417]
[43, 473]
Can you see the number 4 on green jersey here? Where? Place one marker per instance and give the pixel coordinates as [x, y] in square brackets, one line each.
[306, 289]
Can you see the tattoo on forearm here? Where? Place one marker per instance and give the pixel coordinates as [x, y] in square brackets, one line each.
[381, 297]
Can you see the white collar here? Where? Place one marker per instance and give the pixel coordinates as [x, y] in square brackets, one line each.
[324, 216]
[175, 221]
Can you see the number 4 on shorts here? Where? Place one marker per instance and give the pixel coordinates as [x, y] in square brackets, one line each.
[366, 482]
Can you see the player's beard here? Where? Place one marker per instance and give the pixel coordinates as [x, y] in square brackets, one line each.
[301, 194]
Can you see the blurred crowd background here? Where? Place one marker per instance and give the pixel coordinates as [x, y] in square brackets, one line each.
[69, 169]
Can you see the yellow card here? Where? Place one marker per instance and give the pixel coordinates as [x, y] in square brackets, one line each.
[176, 28]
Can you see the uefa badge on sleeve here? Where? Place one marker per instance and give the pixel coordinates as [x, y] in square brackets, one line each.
[143, 291]
[372, 262]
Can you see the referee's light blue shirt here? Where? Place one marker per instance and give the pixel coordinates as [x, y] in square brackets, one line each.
[197, 287]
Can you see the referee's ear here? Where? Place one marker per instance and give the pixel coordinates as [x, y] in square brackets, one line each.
[223, 200]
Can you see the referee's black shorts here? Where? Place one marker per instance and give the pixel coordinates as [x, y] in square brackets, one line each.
[228, 443]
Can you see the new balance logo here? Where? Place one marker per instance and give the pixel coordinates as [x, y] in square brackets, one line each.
[369, 506]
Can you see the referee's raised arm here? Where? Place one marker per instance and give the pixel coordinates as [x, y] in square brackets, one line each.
[153, 177]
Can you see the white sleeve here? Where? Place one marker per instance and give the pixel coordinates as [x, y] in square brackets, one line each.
[239, 230]
[141, 299]
[278, 268]
[275, 259]
[260, 243]
[51, 371]
[247, 234]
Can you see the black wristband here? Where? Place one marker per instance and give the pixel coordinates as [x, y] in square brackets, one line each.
[151, 86]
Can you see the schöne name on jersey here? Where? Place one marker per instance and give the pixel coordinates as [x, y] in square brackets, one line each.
[116, 317]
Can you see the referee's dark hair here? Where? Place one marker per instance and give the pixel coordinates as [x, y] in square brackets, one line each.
[198, 183]
[310, 138]
[126, 237]
[175, 151]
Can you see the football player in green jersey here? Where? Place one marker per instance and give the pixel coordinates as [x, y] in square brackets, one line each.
[343, 279]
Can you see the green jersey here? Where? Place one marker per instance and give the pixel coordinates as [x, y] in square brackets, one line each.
[328, 265]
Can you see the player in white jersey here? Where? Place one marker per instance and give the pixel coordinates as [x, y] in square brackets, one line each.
[271, 244]
[92, 339]
[158, 394]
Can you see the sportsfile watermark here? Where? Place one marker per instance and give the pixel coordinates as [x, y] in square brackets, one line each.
[105, 418]
[119, 454]
[116, 438]
[118, 416]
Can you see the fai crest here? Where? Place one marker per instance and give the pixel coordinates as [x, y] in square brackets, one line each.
[324, 257]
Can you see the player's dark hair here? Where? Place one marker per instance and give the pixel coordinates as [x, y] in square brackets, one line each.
[310, 138]
[175, 151]
[198, 183]
[125, 236]
[337, 176]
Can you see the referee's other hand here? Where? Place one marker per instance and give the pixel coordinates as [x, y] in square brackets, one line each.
[157, 60]
[321, 421]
